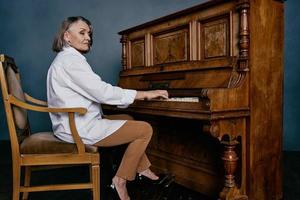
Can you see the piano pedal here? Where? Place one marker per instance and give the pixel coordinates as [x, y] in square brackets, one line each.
[164, 187]
[169, 181]
[165, 179]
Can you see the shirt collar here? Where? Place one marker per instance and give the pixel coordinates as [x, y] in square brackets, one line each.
[73, 51]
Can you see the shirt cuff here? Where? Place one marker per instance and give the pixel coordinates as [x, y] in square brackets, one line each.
[128, 98]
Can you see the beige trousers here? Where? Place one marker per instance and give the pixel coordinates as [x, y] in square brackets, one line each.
[138, 135]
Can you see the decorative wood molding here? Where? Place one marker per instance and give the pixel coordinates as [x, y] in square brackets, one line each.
[124, 40]
[244, 33]
[204, 93]
[242, 67]
[193, 25]
[212, 129]
[148, 49]
[230, 159]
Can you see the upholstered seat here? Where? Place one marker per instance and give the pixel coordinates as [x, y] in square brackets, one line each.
[47, 143]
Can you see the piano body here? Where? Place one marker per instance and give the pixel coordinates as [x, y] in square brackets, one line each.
[220, 133]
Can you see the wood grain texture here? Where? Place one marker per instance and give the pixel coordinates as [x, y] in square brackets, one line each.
[234, 65]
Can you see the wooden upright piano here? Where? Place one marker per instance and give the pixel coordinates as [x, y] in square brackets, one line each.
[220, 132]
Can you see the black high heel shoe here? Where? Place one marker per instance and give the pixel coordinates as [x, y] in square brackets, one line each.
[113, 192]
[143, 179]
[164, 179]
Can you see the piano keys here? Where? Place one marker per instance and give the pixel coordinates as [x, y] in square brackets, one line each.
[220, 133]
[179, 99]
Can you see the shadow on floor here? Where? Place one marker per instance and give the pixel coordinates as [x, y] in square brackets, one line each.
[139, 190]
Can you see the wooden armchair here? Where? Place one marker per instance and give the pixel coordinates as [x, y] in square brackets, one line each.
[41, 149]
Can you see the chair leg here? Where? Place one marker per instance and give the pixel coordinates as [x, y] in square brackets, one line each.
[26, 181]
[95, 179]
[16, 181]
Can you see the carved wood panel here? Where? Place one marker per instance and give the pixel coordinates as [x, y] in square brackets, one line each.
[215, 38]
[172, 46]
[138, 53]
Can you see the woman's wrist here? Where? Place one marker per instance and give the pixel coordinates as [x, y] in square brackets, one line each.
[140, 95]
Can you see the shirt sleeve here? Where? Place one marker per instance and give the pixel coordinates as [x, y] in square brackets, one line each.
[82, 79]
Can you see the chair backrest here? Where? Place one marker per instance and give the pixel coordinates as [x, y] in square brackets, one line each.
[17, 119]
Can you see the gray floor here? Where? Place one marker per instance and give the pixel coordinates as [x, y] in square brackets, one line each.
[291, 175]
[138, 190]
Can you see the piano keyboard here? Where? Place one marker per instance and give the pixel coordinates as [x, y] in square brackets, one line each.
[179, 99]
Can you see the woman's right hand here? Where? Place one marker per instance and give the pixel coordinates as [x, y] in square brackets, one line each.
[152, 94]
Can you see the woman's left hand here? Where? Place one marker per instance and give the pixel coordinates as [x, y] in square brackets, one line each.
[152, 94]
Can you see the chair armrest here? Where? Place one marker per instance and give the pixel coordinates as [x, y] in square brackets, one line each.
[15, 101]
[71, 114]
[35, 101]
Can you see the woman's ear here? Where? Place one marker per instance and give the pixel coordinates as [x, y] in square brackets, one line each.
[67, 37]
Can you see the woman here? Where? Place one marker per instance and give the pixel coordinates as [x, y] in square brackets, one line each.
[72, 83]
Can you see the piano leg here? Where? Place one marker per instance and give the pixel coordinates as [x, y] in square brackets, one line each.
[230, 158]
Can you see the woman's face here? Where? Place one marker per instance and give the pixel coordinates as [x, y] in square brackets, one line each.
[78, 36]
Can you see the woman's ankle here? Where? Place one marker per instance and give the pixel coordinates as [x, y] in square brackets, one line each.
[118, 180]
[120, 185]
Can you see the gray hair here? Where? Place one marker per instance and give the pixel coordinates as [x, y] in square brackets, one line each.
[59, 41]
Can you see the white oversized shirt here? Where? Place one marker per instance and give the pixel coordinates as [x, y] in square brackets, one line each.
[72, 83]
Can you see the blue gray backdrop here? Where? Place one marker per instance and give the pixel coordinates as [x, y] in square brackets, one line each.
[28, 27]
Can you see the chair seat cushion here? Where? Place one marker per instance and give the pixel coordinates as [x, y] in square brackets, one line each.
[47, 143]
